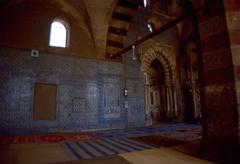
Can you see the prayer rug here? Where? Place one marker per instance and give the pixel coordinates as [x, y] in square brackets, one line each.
[49, 138]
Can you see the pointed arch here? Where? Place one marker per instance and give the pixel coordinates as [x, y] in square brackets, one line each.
[165, 54]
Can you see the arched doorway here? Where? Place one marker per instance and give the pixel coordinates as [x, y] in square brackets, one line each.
[158, 65]
[156, 92]
[171, 93]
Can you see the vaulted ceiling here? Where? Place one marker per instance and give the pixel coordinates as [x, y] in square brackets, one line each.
[106, 22]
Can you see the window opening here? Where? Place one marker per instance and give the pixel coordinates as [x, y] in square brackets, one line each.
[58, 35]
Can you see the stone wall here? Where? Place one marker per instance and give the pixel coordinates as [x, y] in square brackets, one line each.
[89, 93]
[232, 9]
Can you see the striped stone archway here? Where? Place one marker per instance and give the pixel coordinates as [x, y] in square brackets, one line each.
[166, 54]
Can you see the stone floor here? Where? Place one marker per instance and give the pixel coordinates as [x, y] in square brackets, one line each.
[163, 148]
[53, 153]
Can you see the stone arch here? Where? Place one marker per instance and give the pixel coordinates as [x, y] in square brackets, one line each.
[166, 55]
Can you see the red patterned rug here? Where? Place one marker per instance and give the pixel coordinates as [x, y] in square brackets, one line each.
[48, 138]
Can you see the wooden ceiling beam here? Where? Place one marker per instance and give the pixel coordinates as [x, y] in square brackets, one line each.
[114, 44]
[127, 4]
[122, 17]
[118, 31]
[165, 27]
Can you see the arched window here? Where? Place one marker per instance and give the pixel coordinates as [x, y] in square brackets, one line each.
[58, 34]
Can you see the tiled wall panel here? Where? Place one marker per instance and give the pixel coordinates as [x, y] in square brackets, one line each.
[134, 82]
[89, 93]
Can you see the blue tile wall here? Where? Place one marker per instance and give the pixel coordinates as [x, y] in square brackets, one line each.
[111, 110]
[134, 82]
[98, 85]
[90, 93]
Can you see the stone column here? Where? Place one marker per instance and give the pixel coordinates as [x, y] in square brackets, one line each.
[232, 8]
[168, 105]
[195, 101]
[148, 114]
[218, 94]
[171, 103]
[175, 109]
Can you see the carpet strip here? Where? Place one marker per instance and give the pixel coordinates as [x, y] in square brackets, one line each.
[144, 131]
[49, 138]
[101, 147]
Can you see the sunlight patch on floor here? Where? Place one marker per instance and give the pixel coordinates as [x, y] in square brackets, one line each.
[161, 155]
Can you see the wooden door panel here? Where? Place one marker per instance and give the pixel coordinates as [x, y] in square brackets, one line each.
[44, 106]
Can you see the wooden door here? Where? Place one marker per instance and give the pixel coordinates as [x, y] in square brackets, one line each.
[44, 106]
